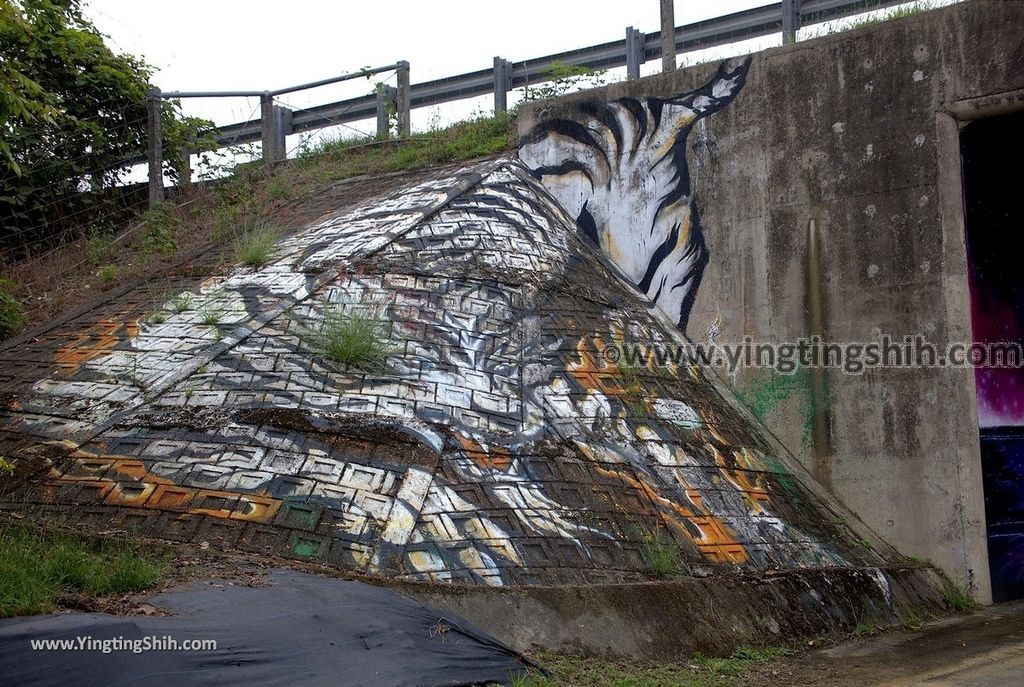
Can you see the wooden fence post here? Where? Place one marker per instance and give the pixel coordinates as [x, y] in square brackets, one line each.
[404, 103]
[155, 149]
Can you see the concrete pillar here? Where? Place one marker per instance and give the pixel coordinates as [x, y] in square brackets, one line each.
[502, 84]
[404, 100]
[634, 52]
[155, 147]
[790, 20]
[267, 129]
[668, 36]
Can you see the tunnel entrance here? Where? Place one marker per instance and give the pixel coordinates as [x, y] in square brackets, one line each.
[991, 152]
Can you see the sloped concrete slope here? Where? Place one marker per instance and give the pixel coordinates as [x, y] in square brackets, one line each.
[496, 447]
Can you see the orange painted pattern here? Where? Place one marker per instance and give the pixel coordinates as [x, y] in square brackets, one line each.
[98, 339]
[120, 481]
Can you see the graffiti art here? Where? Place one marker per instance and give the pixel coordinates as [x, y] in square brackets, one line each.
[620, 169]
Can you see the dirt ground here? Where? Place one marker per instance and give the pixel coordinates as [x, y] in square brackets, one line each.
[984, 649]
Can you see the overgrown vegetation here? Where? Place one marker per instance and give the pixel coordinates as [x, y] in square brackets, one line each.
[347, 156]
[38, 568]
[957, 597]
[12, 314]
[355, 339]
[71, 110]
[700, 671]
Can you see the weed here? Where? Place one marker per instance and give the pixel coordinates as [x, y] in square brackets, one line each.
[100, 249]
[189, 391]
[107, 274]
[957, 597]
[737, 663]
[633, 397]
[158, 317]
[254, 242]
[12, 314]
[211, 316]
[182, 302]
[562, 78]
[6, 466]
[354, 339]
[158, 236]
[36, 567]
[278, 188]
[661, 552]
[867, 627]
[910, 618]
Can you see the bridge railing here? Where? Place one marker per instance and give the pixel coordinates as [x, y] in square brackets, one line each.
[276, 122]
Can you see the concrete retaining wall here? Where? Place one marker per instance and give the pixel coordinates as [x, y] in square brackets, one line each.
[857, 132]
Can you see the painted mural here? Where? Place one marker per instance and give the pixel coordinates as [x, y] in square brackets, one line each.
[495, 446]
[620, 169]
[995, 253]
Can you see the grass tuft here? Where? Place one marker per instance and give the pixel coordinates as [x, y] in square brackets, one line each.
[957, 597]
[353, 339]
[254, 242]
[37, 567]
[661, 552]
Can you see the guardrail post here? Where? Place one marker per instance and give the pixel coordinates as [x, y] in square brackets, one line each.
[282, 127]
[502, 84]
[790, 20]
[404, 99]
[267, 127]
[634, 52]
[668, 36]
[386, 97]
[155, 148]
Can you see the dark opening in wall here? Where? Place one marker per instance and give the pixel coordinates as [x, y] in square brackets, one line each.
[992, 153]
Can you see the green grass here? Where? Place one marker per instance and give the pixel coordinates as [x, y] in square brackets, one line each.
[181, 302]
[100, 249]
[12, 314]
[37, 567]
[339, 158]
[353, 339]
[211, 316]
[108, 274]
[254, 242]
[575, 671]
[957, 597]
[661, 553]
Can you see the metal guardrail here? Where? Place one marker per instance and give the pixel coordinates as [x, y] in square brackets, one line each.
[632, 51]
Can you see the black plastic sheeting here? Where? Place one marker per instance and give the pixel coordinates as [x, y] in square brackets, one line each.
[298, 630]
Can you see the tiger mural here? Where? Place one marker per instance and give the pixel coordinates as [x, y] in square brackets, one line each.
[620, 170]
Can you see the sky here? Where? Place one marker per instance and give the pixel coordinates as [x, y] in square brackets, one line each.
[241, 45]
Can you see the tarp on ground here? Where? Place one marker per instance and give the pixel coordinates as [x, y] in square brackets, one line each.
[299, 629]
